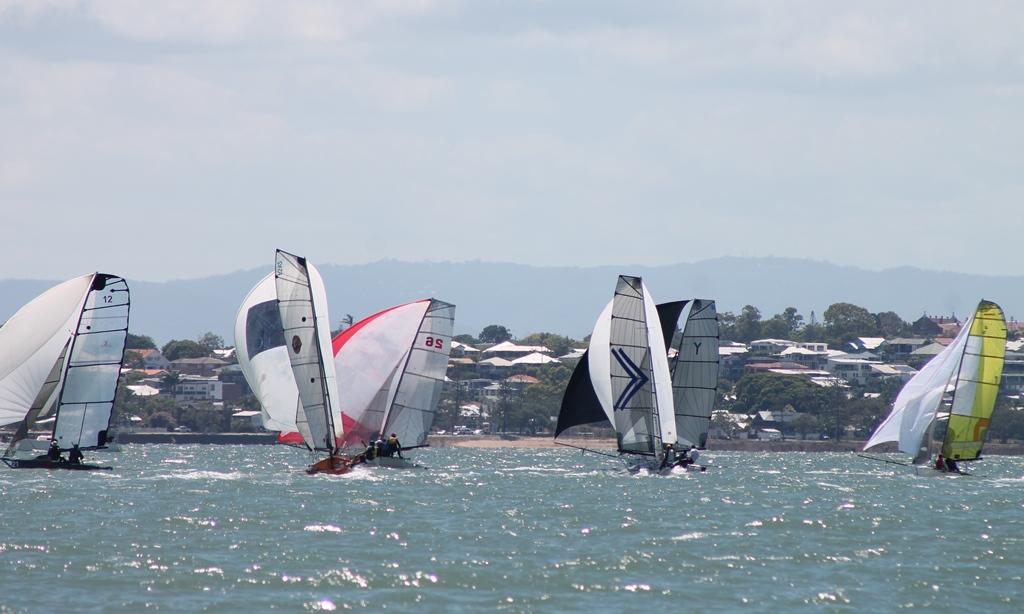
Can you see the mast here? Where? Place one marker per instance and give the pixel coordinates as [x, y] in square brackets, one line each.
[96, 351]
[295, 294]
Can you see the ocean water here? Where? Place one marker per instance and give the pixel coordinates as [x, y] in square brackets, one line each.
[242, 529]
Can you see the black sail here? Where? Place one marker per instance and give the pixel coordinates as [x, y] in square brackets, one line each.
[580, 404]
[669, 314]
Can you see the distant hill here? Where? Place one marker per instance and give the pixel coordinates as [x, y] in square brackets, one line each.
[564, 300]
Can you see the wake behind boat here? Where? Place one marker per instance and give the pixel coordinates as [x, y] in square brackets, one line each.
[62, 357]
[971, 368]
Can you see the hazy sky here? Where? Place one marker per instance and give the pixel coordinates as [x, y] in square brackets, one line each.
[165, 140]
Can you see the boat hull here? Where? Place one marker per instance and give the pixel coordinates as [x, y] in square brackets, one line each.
[332, 465]
[393, 462]
[45, 463]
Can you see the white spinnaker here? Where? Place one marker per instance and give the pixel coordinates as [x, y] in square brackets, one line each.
[413, 405]
[302, 301]
[599, 361]
[30, 342]
[663, 396]
[695, 372]
[263, 356]
[93, 365]
[916, 404]
[368, 362]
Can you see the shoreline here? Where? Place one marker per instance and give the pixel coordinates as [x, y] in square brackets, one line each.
[546, 442]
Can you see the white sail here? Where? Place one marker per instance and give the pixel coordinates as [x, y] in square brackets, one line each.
[263, 357]
[65, 348]
[302, 301]
[391, 368]
[413, 405]
[599, 361]
[644, 418]
[916, 404]
[93, 365]
[31, 341]
[695, 373]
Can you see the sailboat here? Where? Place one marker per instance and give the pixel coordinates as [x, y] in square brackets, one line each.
[624, 378]
[302, 306]
[693, 365]
[971, 368]
[62, 357]
[390, 370]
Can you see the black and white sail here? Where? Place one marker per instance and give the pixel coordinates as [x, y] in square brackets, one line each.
[694, 367]
[624, 376]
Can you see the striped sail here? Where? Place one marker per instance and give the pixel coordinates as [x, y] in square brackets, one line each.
[304, 320]
[638, 368]
[977, 385]
[694, 371]
[93, 365]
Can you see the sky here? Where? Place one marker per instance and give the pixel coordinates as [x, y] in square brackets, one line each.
[167, 140]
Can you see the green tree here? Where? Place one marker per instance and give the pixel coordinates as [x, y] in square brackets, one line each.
[467, 339]
[771, 391]
[803, 424]
[184, 348]
[558, 344]
[726, 326]
[494, 333]
[846, 321]
[139, 342]
[748, 324]
[210, 341]
[891, 325]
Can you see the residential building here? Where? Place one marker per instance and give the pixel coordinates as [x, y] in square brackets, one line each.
[196, 388]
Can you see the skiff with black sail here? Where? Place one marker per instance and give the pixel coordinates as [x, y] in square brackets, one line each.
[390, 370]
[624, 378]
[969, 368]
[62, 356]
[302, 305]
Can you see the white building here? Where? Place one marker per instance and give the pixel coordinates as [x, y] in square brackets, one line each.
[198, 388]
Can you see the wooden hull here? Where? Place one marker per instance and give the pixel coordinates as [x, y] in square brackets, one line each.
[332, 465]
[45, 463]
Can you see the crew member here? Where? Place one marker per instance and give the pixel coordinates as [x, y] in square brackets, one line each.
[54, 452]
[371, 452]
[694, 454]
[394, 446]
[951, 466]
[940, 463]
[75, 456]
[670, 456]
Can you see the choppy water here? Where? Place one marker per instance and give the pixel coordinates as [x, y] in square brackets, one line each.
[237, 528]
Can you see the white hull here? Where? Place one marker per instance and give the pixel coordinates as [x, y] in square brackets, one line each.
[393, 462]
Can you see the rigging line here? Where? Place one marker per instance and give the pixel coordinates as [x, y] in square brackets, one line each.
[569, 445]
[885, 460]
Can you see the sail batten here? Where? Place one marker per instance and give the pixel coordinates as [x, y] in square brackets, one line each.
[302, 303]
[694, 371]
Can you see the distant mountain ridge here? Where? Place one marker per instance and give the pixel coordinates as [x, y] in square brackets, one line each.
[563, 300]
